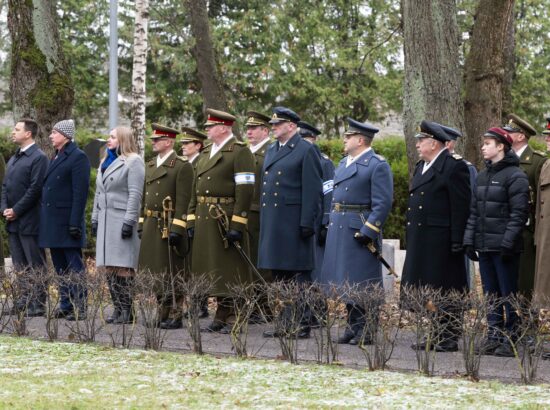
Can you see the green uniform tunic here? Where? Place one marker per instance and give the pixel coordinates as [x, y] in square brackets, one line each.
[227, 180]
[174, 179]
[531, 163]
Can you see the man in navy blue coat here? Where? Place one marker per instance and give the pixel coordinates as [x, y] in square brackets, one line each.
[290, 203]
[62, 223]
[21, 192]
[310, 133]
[361, 201]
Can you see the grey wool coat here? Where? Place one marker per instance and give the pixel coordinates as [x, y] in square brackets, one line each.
[118, 200]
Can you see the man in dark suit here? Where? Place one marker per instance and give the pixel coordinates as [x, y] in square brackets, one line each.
[62, 224]
[21, 192]
[438, 209]
[291, 195]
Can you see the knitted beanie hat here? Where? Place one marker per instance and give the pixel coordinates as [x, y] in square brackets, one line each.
[65, 127]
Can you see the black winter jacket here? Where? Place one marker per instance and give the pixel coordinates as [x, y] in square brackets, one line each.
[500, 208]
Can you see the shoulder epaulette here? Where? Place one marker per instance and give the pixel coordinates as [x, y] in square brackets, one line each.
[151, 163]
[542, 154]
[182, 159]
[241, 143]
[456, 156]
[325, 156]
[380, 157]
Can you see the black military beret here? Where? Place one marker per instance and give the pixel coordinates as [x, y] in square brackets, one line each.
[308, 130]
[433, 130]
[281, 114]
[363, 128]
[517, 124]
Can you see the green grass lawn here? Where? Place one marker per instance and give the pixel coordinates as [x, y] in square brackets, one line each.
[43, 375]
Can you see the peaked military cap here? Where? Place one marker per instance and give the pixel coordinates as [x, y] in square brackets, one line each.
[281, 114]
[191, 135]
[500, 134]
[256, 119]
[308, 130]
[160, 131]
[516, 124]
[429, 129]
[216, 117]
[547, 129]
[452, 133]
[363, 128]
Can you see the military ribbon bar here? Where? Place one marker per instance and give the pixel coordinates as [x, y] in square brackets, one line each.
[242, 178]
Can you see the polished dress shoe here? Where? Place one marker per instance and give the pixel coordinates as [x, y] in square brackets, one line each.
[487, 347]
[504, 350]
[214, 327]
[126, 317]
[545, 356]
[227, 329]
[61, 314]
[114, 317]
[448, 345]
[304, 333]
[35, 311]
[72, 316]
[356, 340]
[202, 314]
[171, 324]
[346, 337]
[271, 333]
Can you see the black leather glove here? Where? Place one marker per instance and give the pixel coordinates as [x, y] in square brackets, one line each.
[471, 253]
[322, 238]
[306, 232]
[234, 236]
[364, 240]
[506, 254]
[190, 233]
[174, 239]
[127, 231]
[457, 247]
[75, 232]
[94, 228]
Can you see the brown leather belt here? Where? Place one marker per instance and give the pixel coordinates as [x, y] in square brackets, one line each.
[337, 207]
[155, 214]
[215, 200]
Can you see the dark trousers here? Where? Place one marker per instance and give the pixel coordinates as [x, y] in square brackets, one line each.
[69, 265]
[302, 278]
[29, 262]
[500, 279]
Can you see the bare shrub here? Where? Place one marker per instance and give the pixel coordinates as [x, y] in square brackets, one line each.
[196, 289]
[51, 283]
[245, 299]
[381, 321]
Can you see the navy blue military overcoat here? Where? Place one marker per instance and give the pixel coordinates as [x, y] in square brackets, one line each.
[290, 199]
[64, 195]
[364, 188]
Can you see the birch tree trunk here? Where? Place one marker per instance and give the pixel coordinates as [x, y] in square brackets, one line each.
[40, 84]
[432, 70]
[487, 71]
[139, 71]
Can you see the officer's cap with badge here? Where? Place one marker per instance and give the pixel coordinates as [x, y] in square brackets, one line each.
[499, 134]
[192, 135]
[363, 128]
[308, 130]
[547, 129]
[160, 131]
[216, 117]
[257, 119]
[283, 114]
[429, 129]
[516, 124]
[452, 133]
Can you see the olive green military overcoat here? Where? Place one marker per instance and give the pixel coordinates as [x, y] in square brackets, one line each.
[225, 180]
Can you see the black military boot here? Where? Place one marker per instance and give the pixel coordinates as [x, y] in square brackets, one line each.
[112, 281]
[125, 293]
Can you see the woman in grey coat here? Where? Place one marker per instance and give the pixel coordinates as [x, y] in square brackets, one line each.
[119, 189]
